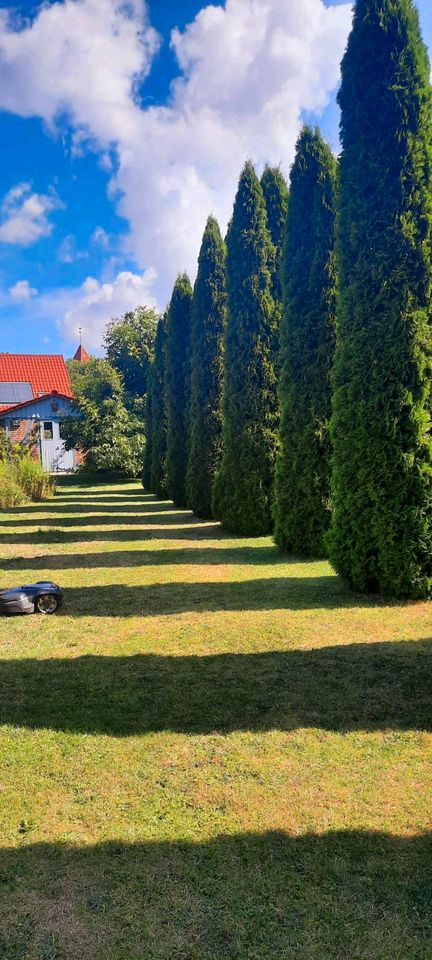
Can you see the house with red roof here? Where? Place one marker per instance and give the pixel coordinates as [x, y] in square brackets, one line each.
[36, 396]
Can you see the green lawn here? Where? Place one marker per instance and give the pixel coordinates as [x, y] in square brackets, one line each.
[212, 753]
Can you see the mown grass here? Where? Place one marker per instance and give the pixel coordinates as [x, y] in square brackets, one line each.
[212, 753]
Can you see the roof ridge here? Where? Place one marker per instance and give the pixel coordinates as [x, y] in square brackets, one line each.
[46, 356]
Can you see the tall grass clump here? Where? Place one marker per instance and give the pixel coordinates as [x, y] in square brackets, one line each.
[11, 494]
[21, 477]
[36, 483]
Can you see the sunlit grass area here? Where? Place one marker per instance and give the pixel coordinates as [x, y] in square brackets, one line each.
[212, 753]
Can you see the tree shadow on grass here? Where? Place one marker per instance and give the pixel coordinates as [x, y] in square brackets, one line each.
[355, 687]
[162, 517]
[194, 530]
[100, 498]
[170, 598]
[78, 481]
[346, 895]
[19, 515]
[209, 556]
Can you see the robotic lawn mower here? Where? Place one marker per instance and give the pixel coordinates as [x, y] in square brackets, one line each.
[41, 597]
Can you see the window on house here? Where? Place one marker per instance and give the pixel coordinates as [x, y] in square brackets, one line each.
[15, 425]
[47, 430]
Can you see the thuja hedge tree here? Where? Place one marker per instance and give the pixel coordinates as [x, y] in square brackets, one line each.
[146, 475]
[243, 488]
[158, 479]
[302, 497]
[208, 327]
[381, 535]
[275, 192]
[178, 389]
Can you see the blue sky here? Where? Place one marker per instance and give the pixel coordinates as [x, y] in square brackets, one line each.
[119, 137]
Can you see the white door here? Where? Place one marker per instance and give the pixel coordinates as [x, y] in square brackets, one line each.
[55, 459]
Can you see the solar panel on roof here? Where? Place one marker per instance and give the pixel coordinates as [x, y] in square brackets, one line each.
[15, 392]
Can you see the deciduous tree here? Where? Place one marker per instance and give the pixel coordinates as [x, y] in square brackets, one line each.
[129, 343]
[109, 435]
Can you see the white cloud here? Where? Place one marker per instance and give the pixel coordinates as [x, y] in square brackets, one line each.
[81, 57]
[24, 215]
[22, 292]
[100, 238]
[94, 303]
[67, 251]
[248, 71]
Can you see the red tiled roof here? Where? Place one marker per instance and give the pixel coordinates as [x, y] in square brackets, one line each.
[44, 373]
[81, 354]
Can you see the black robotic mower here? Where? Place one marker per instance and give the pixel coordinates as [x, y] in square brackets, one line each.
[41, 597]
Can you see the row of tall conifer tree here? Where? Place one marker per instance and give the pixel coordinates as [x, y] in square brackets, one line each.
[291, 389]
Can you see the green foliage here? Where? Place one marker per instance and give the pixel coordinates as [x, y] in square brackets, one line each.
[6, 446]
[11, 494]
[129, 344]
[146, 475]
[302, 508]
[381, 537]
[243, 488]
[208, 325]
[158, 480]
[75, 369]
[109, 435]
[275, 192]
[178, 389]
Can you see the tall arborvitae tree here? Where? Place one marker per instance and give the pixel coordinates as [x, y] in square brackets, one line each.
[146, 475]
[178, 389]
[275, 192]
[208, 327]
[243, 489]
[158, 479]
[302, 499]
[381, 537]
